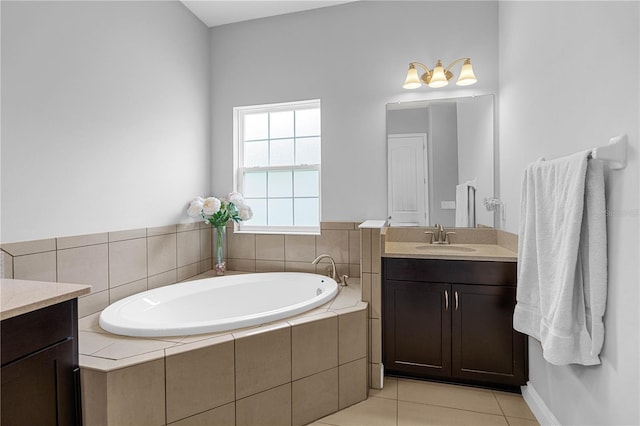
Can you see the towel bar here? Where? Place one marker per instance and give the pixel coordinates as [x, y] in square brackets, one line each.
[615, 153]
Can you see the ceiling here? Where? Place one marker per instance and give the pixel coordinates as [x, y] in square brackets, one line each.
[220, 12]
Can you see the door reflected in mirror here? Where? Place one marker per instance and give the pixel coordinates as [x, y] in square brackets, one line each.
[440, 162]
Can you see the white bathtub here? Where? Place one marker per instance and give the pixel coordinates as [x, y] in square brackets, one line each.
[217, 304]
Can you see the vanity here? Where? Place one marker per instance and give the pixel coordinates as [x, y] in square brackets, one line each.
[39, 352]
[447, 308]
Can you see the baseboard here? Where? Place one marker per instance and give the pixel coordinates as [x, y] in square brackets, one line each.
[539, 409]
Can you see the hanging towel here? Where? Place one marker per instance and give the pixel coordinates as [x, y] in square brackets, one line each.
[465, 204]
[562, 269]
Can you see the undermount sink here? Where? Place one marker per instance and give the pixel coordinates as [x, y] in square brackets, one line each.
[438, 247]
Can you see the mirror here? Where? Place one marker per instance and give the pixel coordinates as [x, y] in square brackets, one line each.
[440, 162]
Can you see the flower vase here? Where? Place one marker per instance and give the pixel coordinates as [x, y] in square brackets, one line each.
[219, 238]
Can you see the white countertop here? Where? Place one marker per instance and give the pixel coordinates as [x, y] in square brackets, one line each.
[19, 297]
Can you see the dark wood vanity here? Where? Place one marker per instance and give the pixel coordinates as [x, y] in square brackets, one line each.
[451, 320]
[39, 353]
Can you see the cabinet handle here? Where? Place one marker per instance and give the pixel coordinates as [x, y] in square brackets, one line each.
[455, 295]
[446, 300]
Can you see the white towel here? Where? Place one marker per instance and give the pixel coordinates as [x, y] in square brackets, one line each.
[562, 269]
[465, 200]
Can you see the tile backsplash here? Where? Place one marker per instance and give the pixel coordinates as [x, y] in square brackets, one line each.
[118, 264]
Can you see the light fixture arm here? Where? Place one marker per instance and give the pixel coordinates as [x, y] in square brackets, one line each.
[420, 64]
[455, 62]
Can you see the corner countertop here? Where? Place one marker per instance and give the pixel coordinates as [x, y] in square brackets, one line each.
[482, 252]
[19, 297]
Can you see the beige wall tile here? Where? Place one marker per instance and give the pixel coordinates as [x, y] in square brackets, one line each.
[188, 247]
[375, 251]
[120, 347]
[6, 265]
[94, 397]
[199, 380]
[191, 226]
[129, 234]
[375, 378]
[354, 270]
[352, 336]
[299, 248]
[365, 250]
[354, 247]
[205, 265]
[270, 247]
[29, 247]
[365, 282]
[314, 345]
[263, 360]
[221, 416]
[92, 303]
[376, 296]
[37, 267]
[160, 280]
[127, 261]
[81, 240]
[376, 341]
[245, 265]
[188, 271]
[161, 230]
[269, 266]
[269, 408]
[161, 253]
[143, 401]
[85, 265]
[206, 243]
[334, 243]
[314, 397]
[241, 246]
[122, 291]
[299, 267]
[353, 382]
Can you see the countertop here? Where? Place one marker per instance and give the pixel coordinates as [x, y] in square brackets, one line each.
[483, 252]
[19, 297]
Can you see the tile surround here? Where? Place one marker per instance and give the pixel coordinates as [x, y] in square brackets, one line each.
[223, 378]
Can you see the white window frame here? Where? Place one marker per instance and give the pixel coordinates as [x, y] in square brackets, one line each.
[239, 169]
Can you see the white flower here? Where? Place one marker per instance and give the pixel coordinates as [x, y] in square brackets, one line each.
[237, 199]
[245, 213]
[210, 205]
[195, 208]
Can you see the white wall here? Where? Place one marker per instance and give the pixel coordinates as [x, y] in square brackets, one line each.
[353, 57]
[569, 81]
[105, 116]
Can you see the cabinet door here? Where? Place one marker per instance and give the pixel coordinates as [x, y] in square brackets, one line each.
[40, 389]
[485, 348]
[416, 328]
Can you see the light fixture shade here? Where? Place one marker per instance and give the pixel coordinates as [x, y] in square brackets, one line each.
[413, 80]
[467, 77]
[438, 79]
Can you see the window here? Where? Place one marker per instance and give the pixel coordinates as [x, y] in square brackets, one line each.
[277, 165]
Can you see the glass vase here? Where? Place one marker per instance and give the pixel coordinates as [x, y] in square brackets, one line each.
[219, 238]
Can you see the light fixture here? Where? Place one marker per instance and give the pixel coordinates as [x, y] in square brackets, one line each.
[439, 76]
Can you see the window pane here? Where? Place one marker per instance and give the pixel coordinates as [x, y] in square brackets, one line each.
[281, 125]
[281, 152]
[280, 184]
[307, 212]
[308, 122]
[256, 126]
[256, 153]
[281, 212]
[308, 151]
[259, 207]
[305, 183]
[255, 184]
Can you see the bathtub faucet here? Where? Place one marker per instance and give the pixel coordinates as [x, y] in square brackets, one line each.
[334, 272]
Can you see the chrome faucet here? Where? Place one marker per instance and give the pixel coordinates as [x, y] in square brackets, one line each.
[334, 271]
[440, 236]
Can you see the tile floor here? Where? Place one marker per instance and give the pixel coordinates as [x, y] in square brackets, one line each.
[405, 402]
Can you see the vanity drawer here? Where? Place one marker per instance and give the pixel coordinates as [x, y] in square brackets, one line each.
[25, 334]
[451, 271]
